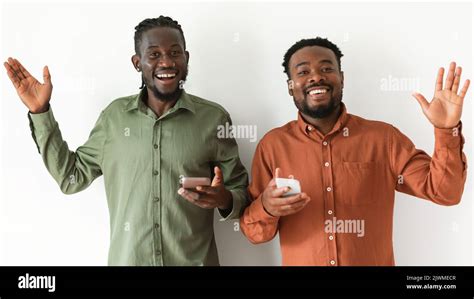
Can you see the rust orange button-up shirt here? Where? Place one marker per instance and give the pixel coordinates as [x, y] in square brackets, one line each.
[351, 175]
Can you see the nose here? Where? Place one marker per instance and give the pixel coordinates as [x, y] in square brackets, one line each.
[166, 61]
[316, 76]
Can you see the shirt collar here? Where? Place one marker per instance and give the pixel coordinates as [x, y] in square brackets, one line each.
[340, 123]
[137, 103]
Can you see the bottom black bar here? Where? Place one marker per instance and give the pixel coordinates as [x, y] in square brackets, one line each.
[290, 282]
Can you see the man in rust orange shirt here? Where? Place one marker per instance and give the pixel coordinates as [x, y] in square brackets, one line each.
[349, 168]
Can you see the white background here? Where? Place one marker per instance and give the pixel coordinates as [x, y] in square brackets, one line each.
[236, 55]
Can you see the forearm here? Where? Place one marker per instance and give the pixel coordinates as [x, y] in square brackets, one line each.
[439, 178]
[71, 171]
[448, 166]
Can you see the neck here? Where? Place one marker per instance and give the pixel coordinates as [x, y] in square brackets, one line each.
[324, 125]
[159, 106]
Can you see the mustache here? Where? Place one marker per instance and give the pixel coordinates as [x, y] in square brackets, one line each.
[166, 69]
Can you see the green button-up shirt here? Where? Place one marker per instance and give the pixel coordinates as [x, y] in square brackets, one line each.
[141, 157]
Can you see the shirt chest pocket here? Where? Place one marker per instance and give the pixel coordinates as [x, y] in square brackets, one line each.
[358, 183]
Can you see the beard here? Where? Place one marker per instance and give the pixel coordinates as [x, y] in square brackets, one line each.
[169, 96]
[320, 111]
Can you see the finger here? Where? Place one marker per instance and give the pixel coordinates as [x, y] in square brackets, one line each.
[272, 183]
[295, 208]
[189, 195]
[464, 88]
[457, 79]
[277, 172]
[13, 77]
[439, 79]
[204, 205]
[288, 200]
[46, 75]
[218, 179]
[207, 189]
[25, 73]
[421, 100]
[450, 77]
[206, 200]
[279, 192]
[17, 69]
[14, 68]
[295, 205]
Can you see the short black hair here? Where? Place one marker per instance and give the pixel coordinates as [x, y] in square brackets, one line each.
[318, 41]
[147, 24]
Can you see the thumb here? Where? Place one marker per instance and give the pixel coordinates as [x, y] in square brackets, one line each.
[272, 182]
[218, 178]
[46, 75]
[421, 100]
[277, 172]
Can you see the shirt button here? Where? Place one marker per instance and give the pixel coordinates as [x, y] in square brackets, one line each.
[328, 189]
[326, 164]
[155, 146]
[155, 172]
[332, 262]
[331, 238]
[158, 252]
[157, 225]
[156, 199]
[325, 143]
[330, 212]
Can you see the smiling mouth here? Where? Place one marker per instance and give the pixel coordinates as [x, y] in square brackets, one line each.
[317, 91]
[168, 76]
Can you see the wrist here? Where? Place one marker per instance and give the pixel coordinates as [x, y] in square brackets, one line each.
[265, 208]
[227, 202]
[449, 126]
[40, 110]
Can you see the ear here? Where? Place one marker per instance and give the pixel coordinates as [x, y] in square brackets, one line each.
[187, 56]
[136, 62]
[342, 79]
[290, 86]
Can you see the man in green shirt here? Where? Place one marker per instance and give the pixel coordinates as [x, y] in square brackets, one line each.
[142, 144]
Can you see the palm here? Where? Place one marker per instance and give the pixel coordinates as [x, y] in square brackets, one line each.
[33, 94]
[444, 111]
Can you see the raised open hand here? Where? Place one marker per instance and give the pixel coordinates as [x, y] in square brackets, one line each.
[444, 111]
[34, 95]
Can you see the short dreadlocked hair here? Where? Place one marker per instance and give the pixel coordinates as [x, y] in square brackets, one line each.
[147, 24]
[318, 41]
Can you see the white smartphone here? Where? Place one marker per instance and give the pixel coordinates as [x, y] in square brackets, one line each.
[294, 185]
[193, 182]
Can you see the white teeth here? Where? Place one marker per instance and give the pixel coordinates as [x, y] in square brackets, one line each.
[165, 75]
[318, 91]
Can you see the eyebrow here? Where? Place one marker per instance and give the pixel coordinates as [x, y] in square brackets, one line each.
[322, 61]
[173, 45]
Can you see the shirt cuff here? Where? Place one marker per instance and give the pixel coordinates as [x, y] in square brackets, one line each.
[257, 212]
[449, 138]
[42, 121]
[239, 200]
